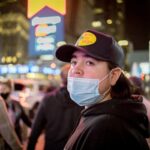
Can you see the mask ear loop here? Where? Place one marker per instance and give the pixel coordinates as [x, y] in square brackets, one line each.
[100, 81]
[104, 95]
[107, 91]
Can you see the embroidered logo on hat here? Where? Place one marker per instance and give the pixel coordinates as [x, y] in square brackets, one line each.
[87, 38]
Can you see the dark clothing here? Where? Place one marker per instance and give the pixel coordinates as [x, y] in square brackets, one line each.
[8, 137]
[17, 115]
[57, 115]
[113, 124]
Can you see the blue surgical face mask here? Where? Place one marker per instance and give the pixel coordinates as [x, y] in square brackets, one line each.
[85, 91]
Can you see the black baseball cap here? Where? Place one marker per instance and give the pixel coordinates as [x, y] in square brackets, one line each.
[95, 44]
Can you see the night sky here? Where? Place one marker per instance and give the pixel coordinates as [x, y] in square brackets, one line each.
[137, 23]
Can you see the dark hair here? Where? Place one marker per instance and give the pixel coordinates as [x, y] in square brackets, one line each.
[19, 86]
[122, 88]
[137, 85]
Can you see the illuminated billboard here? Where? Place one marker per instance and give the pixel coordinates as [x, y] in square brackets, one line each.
[46, 26]
[46, 30]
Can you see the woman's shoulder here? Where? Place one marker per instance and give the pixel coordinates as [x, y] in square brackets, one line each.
[107, 122]
[2, 103]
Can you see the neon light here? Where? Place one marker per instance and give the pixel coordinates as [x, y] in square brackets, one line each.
[12, 69]
[43, 30]
[45, 47]
[45, 20]
[47, 70]
[47, 39]
[22, 69]
[35, 69]
[4, 69]
[35, 6]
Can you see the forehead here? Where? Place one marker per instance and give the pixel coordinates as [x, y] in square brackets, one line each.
[79, 53]
[82, 55]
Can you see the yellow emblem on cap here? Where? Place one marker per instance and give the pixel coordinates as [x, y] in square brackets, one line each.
[87, 38]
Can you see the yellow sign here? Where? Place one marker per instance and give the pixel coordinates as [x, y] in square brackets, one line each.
[36, 5]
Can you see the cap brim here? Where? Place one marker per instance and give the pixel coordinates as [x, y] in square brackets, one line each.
[64, 53]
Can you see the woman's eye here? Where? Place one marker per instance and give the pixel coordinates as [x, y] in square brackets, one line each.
[90, 63]
[73, 62]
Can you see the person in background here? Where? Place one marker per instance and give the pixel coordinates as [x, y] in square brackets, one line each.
[112, 118]
[33, 110]
[57, 116]
[138, 89]
[8, 137]
[15, 110]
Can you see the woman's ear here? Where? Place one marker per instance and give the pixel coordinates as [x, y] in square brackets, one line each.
[115, 74]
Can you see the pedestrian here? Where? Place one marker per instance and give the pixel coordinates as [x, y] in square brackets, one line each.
[16, 112]
[112, 119]
[33, 110]
[138, 89]
[8, 137]
[57, 116]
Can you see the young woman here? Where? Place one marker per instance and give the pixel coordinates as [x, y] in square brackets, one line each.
[8, 137]
[112, 119]
[15, 110]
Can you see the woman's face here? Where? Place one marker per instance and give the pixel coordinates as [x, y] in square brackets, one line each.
[4, 88]
[84, 66]
[4, 91]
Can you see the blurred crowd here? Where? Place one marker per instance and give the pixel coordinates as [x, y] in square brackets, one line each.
[26, 115]
[20, 106]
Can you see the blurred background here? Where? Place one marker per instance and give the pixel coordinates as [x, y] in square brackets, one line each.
[30, 32]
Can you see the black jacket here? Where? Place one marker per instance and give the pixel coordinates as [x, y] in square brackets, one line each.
[57, 115]
[113, 124]
[19, 115]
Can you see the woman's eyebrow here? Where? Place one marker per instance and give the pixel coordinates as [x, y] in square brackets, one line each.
[84, 55]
